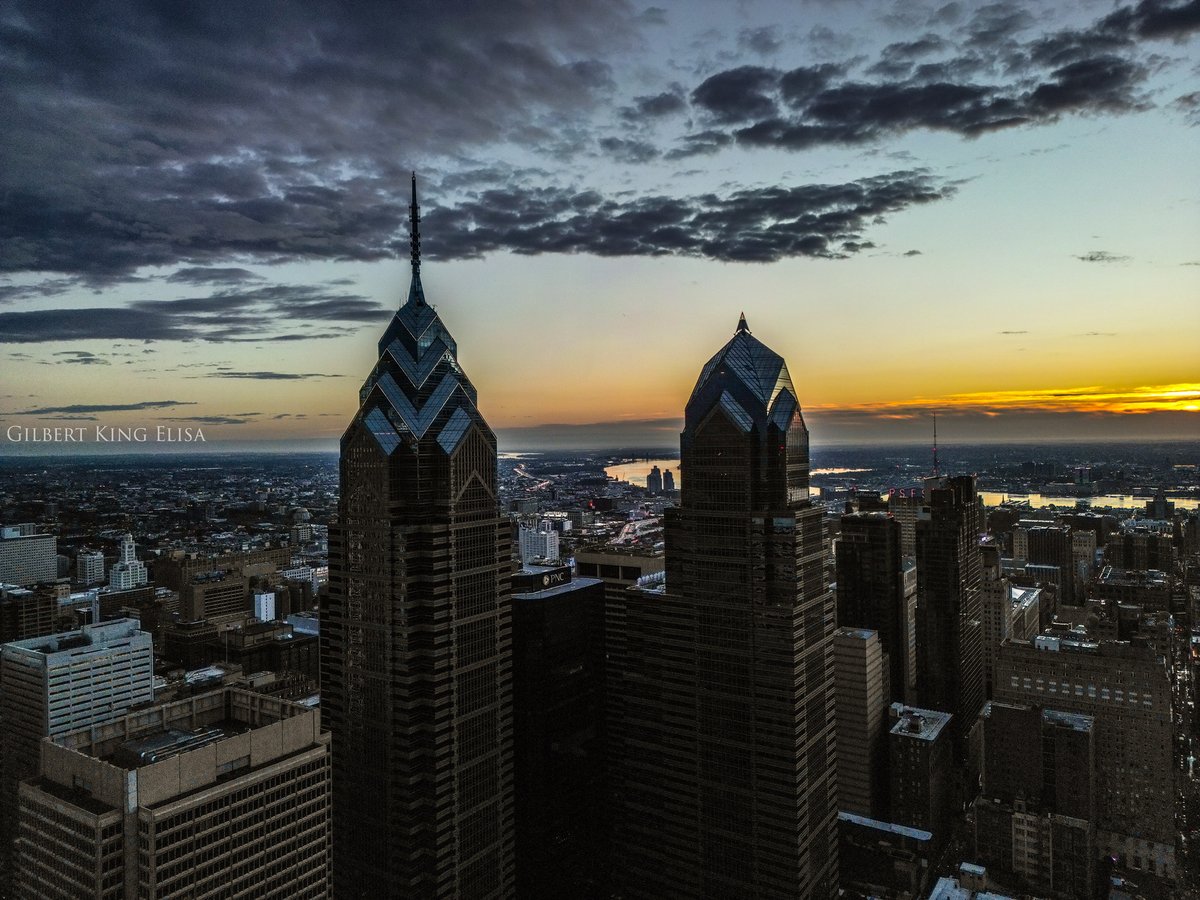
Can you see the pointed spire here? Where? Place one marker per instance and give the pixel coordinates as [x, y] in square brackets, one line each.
[414, 213]
[742, 326]
[416, 294]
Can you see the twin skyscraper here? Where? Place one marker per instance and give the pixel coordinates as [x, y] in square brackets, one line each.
[719, 765]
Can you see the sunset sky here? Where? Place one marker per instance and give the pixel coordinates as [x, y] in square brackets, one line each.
[987, 211]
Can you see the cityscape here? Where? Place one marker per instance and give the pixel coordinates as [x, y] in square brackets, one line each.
[521, 451]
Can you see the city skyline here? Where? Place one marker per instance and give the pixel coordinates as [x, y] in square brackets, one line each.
[963, 209]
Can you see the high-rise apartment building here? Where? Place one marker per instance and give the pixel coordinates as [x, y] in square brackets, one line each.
[416, 661]
[60, 683]
[949, 631]
[870, 588]
[1124, 687]
[860, 679]
[225, 794]
[27, 557]
[127, 572]
[723, 748]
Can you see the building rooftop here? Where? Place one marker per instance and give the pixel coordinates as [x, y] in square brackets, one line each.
[1070, 720]
[160, 745]
[890, 827]
[88, 636]
[922, 724]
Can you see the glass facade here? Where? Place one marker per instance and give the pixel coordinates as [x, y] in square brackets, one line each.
[723, 742]
[416, 632]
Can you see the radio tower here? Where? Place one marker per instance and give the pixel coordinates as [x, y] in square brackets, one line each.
[935, 459]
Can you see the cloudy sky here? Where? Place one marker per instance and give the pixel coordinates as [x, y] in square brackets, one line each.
[987, 211]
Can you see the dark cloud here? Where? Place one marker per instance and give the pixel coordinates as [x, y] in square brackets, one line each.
[751, 225]
[251, 314]
[1156, 19]
[96, 408]
[655, 106]
[653, 15]
[138, 134]
[1101, 256]
[912, 252]
[208, 420]
[1012, 332]
[268, 376]
[997, 24]
[628, 151]
[995, 79]
[48, 288]
[212, 275]
[799, 85]
[737, 95]
[702, 143]
[763, 41]
[82, 357]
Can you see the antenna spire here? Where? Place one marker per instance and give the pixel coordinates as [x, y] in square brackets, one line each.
[935, 458]
[414, 219]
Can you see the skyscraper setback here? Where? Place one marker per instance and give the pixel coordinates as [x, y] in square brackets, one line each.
[416, 634]
[723, 741]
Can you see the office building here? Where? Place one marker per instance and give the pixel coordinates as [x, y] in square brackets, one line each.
[870, 588]
[1008, 611]
[860, 679]
[225, 794]
[1147, 588]
[920, 757]
[723, 746]
[558, 724]
[27, 612]
[654, 482]
[668, 481]
[89, 567]
[27, 558]
[539, 543]
[1035, 817]
[1052, 546]
[416, 657]
[905, 507]
[60, 683]
[949, 631]
[883, 859]
[127, 572]
[1140, 548]
[1124, 687]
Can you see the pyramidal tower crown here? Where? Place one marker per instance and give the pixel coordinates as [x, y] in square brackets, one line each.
[416, 387]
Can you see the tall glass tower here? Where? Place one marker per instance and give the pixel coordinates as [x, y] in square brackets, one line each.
[416, 661]
[723, 743]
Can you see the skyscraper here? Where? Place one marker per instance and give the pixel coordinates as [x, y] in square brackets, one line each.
[416, 658]
[128, 572]
[870, 587]
[723, 772]
[949, 628]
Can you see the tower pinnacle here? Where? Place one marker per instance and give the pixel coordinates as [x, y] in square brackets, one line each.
[414, 220]
[742, 326]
